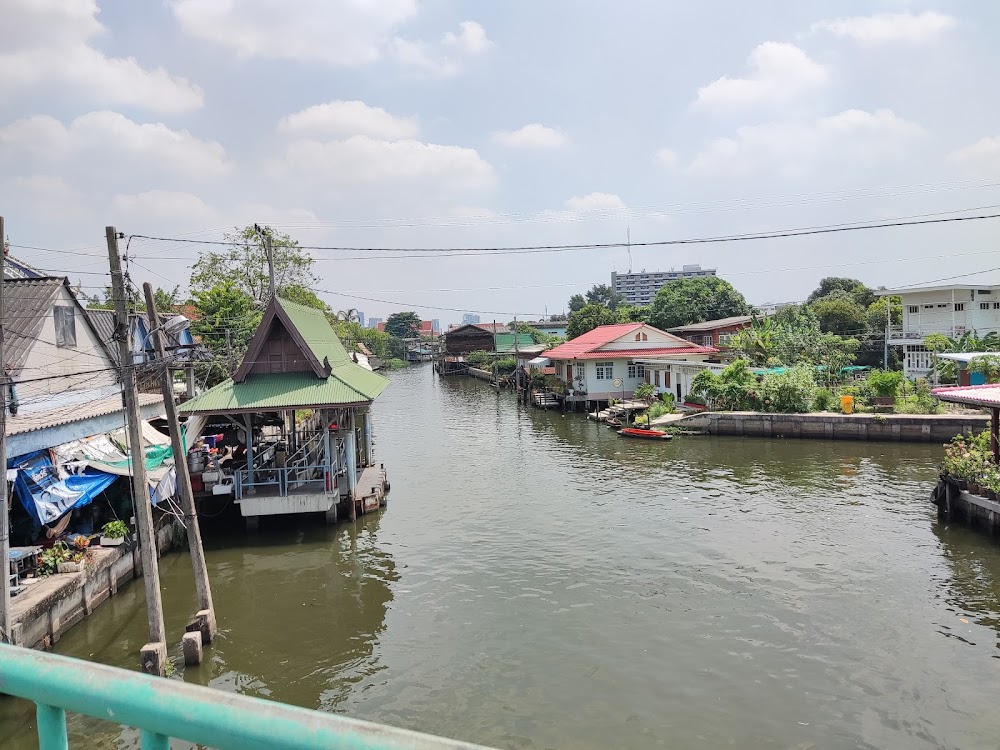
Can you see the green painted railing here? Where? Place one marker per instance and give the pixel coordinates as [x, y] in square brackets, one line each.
[163, 709]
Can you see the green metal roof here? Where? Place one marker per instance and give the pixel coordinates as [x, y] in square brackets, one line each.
[505, 342]
[348, 383]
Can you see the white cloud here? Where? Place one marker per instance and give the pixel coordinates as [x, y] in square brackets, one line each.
[362, 160]
[338, 32]
[791, 149]
[46, 43]
[346, 118]
[666, 157]
[155, 208]
[884, 28]
[778, 72]
[470, 39]
[535, 135]
[419, 57]
[594, 202]
[104, 135]
[981, 156]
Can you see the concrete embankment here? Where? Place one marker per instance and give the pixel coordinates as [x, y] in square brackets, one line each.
[912, 428]
[51, 606]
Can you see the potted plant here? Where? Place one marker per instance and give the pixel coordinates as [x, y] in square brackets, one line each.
[884, 386]
[113, 533]
[992, 481]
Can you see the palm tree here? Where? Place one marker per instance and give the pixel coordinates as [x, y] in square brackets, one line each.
[350, 315]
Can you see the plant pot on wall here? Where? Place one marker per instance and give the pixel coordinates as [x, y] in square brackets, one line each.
[973, 488]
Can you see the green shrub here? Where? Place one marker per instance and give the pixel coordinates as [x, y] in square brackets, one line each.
[506, 364]
[793, 391]
[395, 363]
[644, 392]
[825, 400]
[478, 358]
[884, 383]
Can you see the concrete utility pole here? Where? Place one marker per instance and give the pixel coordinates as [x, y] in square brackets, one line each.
[270, 262]
[5, 618]
[229, 352]
[152, 656]
[204, 620]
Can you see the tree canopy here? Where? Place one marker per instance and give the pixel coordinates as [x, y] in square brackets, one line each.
[588, 318]
[403, 325]
[683, 301]
[577, 302]
[243, 264]
[852, 287]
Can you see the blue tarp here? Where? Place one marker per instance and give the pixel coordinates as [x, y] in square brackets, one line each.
[45, 495]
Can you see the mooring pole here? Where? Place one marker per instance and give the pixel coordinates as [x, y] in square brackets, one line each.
[205, 618]
[5, 618]
[152, 656]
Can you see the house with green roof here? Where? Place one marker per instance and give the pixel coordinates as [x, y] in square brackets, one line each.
[301, 409]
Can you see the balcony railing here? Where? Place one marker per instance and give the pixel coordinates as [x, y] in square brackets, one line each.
[281, 482]
[163, 709]
[917, 333]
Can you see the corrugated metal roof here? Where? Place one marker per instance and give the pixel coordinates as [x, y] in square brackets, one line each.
[293, 390]
[348, 382]
[972, 395]
[599, 336]
[710, 325]
[26, 303]
[505, 342]
[658, 351]
[73, 413]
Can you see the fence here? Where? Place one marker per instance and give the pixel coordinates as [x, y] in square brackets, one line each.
[163, 709]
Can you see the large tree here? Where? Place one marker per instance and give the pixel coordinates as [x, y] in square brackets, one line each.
[840, 313]
[224, 307]
[403, 325]
[602, 294]
[243, 263]
[588, 318]
[577, 302]
[683, 301]
[832, 284]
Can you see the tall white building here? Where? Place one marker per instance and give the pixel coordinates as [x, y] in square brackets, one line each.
[640, 288]
[950, 309]
[468, 318]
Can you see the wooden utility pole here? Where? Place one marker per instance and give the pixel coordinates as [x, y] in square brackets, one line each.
[5, 619]
[229, 352]
[152, 656]
[205, 618]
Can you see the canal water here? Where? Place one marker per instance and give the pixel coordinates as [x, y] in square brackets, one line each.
[538, 582]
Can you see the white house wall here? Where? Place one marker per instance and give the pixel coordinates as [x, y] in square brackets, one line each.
[85, 366]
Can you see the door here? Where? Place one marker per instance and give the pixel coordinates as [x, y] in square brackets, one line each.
[569, 376]
[678, 391]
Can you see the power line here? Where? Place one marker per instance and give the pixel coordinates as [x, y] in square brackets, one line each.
[431, 252]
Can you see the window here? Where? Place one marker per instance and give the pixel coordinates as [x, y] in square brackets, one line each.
[942, 305]
[636, 370]
[928, 307]
[996, 305]
[724, 338]
[913, 309]
[984, 305]
[959, 307]
[65, 322]
[707, 340]
[605, 370]
[984, 291]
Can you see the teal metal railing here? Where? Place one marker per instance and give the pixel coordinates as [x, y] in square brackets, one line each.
[163, 709]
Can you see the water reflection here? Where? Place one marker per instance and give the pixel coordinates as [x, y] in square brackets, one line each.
[972, 580]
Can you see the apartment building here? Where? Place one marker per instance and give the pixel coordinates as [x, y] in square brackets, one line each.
[640, 288]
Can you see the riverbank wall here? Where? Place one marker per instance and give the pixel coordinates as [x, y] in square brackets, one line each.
[954, 503]
[910, 428]
[475, 372]
[45, 610]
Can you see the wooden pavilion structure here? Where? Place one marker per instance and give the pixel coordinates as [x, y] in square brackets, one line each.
[301, 408]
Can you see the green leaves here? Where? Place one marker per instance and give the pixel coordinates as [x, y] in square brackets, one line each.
[403, 325]
[684, 301]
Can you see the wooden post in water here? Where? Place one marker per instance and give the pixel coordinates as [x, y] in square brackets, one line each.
[5, 618]
[153, 655]
[204, 620]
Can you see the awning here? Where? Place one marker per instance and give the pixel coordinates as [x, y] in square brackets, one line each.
[540, 362]
[47, 492]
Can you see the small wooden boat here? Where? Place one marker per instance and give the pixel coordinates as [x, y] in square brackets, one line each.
[643, 434]
[614, 422]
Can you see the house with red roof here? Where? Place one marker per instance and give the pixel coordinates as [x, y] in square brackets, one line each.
[609, 361]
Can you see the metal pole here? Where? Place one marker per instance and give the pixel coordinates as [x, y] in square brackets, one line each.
[201, 584]
[5, 619]
[229, 352]
[888, 325]
[140, 483]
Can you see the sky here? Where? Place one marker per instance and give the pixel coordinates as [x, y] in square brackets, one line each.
[445, 124]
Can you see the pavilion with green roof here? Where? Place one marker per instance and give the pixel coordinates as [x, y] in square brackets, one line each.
[299, 390]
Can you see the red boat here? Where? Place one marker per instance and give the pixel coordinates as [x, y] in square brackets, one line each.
[637, 432]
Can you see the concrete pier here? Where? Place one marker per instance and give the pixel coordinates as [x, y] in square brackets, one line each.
[47, 609]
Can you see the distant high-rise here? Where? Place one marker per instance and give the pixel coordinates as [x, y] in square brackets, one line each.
[373, 322]
[361, 318]
[470, 318]
[436, 326]
[640, 288]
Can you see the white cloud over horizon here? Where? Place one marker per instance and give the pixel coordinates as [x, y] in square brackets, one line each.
[779, 71]
[532, 136]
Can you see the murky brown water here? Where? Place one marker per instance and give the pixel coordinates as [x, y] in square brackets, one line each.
[537, 582]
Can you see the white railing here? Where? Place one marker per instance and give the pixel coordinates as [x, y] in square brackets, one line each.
[916, 333]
